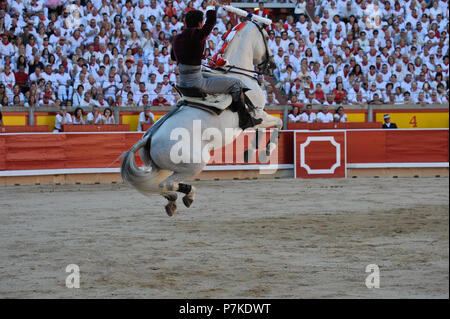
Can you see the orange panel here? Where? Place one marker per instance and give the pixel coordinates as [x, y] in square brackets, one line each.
[285, 148]
[93, 150]
[416, 146]
[35, 151]
[397, 146]
[366, 146]
[130, 139]
[2, 152]
[298, 126]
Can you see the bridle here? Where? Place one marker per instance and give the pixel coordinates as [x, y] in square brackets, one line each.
[268, 63]
[264, 68]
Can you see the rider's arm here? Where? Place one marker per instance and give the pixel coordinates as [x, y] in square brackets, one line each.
[211, 18]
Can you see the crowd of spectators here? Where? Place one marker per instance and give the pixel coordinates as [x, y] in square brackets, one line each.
[63, 117]
[86, 53]
[364, 51]
[324, 115]
[117, 53]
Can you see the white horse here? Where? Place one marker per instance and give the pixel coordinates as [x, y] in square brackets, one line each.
[160, 148]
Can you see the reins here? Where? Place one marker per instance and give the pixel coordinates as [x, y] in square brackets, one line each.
[231, 68]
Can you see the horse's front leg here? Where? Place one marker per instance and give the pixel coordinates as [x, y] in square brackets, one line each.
[268, 121]
[251, 151]
[277, 124]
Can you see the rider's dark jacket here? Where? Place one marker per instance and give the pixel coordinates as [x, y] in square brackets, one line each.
[189, 46]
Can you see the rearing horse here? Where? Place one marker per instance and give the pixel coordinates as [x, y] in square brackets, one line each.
[159, 148]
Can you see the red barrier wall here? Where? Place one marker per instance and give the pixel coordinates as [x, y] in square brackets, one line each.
[145, 127]
[46, 151]
[95, 150]
[397, 146]
[234, 151]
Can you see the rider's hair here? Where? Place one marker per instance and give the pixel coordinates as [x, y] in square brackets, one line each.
[193, 18]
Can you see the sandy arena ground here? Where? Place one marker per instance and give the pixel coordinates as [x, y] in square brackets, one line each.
[280, 238]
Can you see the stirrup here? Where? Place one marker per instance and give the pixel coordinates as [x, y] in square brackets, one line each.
[249, 122]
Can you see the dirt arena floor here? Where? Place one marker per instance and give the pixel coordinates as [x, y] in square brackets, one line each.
[280, 238]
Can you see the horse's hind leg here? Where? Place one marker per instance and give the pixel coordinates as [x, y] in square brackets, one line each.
[172, 184]
[171, 206]
[189, 192]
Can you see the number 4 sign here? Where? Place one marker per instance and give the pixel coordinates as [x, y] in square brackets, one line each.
[413, 121]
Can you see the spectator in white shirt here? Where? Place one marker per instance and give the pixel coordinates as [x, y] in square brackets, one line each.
[422, 99]
[271, 99]
[78, 116]
[94, 117]
[324, 115]
[300, 8]
[363, 41]
[434, 10]
[308, 116]
[340, 115]
[294, 115]
[62, 118]
[435, 99]
[64, 84]
[78, 96]
[108, 117]
[110, 86]
[359, 99]
[7, 77]
[6, 48]
[145, 117]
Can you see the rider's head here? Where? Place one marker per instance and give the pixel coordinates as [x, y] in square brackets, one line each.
[194, 18]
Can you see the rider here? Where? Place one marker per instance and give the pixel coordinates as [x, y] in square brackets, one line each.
[188, 49]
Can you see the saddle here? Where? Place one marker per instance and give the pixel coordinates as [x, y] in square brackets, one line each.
[217, 103]
[212, 103]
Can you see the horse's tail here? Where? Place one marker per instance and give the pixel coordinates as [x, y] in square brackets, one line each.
[145, 181]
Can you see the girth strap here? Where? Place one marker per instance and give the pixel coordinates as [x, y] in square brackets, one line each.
[210, 109]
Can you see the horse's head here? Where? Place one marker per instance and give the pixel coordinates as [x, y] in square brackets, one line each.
[262, 55]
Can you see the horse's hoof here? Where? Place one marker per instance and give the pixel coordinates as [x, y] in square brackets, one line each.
[187, 201]
[171, 208]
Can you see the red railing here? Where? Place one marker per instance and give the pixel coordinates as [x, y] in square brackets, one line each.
[331, 126]
[96, 128]
[23, 128]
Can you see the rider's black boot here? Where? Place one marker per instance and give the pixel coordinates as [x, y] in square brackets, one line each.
[245, 118]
